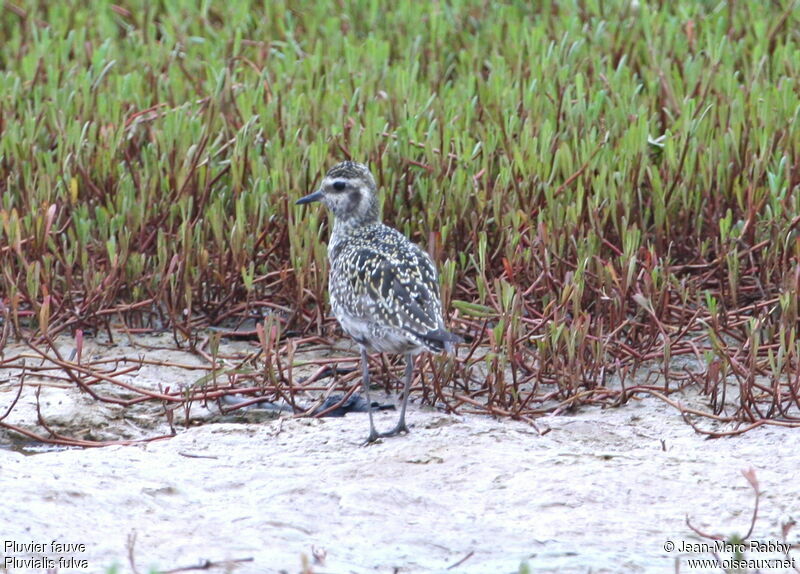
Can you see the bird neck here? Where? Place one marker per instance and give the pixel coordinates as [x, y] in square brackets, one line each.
[345, 226]
[356, 216]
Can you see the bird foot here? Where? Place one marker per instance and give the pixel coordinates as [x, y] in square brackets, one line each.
[400, 428]
[374, 436]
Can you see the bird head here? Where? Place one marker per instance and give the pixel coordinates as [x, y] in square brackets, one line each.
[349, 191]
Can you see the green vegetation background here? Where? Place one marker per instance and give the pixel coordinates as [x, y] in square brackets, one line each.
[588, 174]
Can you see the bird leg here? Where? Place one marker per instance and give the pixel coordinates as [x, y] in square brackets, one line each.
[401, 424]
[373, 434]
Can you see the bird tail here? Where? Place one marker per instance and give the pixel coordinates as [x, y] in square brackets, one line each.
[441, 340]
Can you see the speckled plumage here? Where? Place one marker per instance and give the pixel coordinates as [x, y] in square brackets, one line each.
[384, 290]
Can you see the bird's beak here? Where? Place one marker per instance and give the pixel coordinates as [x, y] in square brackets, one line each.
[316, 196]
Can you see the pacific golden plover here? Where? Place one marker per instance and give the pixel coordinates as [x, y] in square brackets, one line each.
[384, 290]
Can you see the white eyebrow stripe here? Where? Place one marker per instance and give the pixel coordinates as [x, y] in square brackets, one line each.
[347, 180]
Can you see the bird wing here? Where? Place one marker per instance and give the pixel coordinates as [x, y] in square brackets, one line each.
[399, 290]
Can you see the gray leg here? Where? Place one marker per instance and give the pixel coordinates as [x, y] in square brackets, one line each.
[401, 424]
[373, 434]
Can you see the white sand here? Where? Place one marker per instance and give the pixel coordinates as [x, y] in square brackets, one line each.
[603, 491]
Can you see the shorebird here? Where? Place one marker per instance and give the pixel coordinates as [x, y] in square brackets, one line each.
[384, 290]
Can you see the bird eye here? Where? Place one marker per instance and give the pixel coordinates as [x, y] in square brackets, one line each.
[338, 185]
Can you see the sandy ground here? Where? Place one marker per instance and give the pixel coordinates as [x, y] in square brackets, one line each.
[604, 491]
